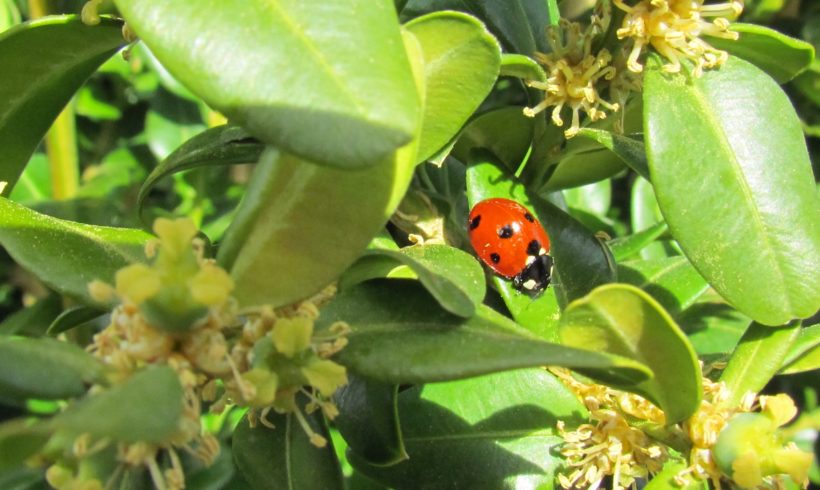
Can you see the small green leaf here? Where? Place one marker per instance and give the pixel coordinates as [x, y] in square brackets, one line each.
[170, 122]
[452, 276]
[145, 408]
[369, 420]
[44, 368]
[629, 149]
[19, 440]
[495, 431]
[585, 167]
[627, 246]
[644, 214]
[400, 335]
[714, 328]
[461, 62]
[9, 14]
[804, 354]
[352, 83]
[72, 318]
[623, 320]
[222, 145]
[505, 132]
[757, 359]
[672, 281]
[44, 62]
[777, 54]
[523, 67]
[723, 198]
[67, 255]
[282, 226]
[665, 479]
[273, 459]
[33, 320]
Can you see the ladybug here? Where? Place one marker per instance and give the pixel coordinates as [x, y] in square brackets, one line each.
[508, 238]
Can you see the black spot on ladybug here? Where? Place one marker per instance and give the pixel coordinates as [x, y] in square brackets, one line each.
[475, 222]
[495, 258]
[505, 231]
[528, 217]
[533, 247]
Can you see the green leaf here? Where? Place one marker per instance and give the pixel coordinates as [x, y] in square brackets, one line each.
[584, 167]
[672, 281]
[505, 132]
[33, 320]
[665, 479]
[714, 328]
[72, 318]
[67, 255]
[804, 354]
[627, 246]
[757, 359]
[19, 440]
[337, 90]
[461, 63]
[629, 149]
[222, 145]
[724, 199]
[400, 335]
[523, 67]
[452, 276]
[283, 225]
[45, 369]
[369, 420]
[145, 408]
[44, 62]
[9, 14]
[623, 320]
[284, 457]
[645, 214]
[495, 431]
[170, 122]
[777, 54]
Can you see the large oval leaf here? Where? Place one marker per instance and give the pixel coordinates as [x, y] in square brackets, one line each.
[351, 99]
[67, 255]
[461, 63]
[45, 369]
[496, 431]
[44, 62]
[300, 225]
[742, 204]
[672, 281]
[400, 335]
[145, 408]
[272, 459]
[623, 320]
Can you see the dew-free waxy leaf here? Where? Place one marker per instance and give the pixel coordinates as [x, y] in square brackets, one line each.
[741, 202]
[328, 81]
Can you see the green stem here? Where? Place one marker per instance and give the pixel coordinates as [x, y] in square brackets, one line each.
[61, 147]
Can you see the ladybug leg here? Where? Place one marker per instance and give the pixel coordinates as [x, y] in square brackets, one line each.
[536, 275]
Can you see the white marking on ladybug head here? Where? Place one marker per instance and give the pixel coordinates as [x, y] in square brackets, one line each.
[530, 259]
[529, 284]
[542, 251]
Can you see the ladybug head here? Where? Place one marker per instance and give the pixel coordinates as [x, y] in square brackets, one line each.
[535, 277]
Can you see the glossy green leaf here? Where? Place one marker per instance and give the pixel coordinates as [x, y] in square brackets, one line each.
[33, 320]
[452, 276]
[222, 145]
[505, 132]
[400, 335]
[496, 431]
[672, 281]
[369, 420]
[581, 168]
[44, 62]
[19, 440]
[170, 122]
[713, 327]
[757, 359]
[629, 149]
[67, 255]
[591, 199]
[645, 214]
[461, 63]
[623, 320]
[286, 244]
[350, 101]
[804, 354]
[145, 408]
[45, 369]
[777, 54]
[757, 245]
[518, 24]
[523, 67]
[9, 14]
[72, 318]
[627, 246]
[272, 459]
[665, 479]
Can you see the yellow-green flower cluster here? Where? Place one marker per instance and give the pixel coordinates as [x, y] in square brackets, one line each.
[674, 29]
[178, 311]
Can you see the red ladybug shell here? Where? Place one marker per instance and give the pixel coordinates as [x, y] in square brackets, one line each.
[508, 238]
